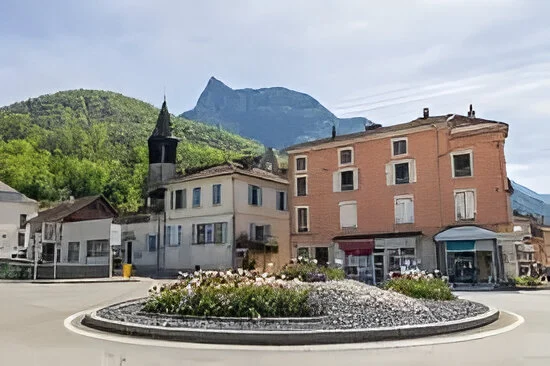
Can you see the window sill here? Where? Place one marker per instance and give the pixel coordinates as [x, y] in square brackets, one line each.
[208, 243]
[196, 207]
[462, 177]
[345, 165]
[401, 156]
[404, 223]
[465, 220]
[302, 233]
[216, 204]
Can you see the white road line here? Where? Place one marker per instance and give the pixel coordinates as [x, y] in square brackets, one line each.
[429, 341]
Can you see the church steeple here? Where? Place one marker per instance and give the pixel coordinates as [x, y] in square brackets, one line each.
[162, 150]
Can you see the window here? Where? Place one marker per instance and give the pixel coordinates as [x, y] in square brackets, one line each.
[348, 214]
[346, 156]
[21, 239]
[49, 232]
[321, 254]
[254, 195]
[346, 181]
[401, 173]
[301, 164]
[181, 198]
[404, 210]
[462, 164]
[465, 205]
[216, 194]
[196, 197]
[302, 219]
[173, 235]
[97, 248]
[260, 233]
[399, 146]
[303, 252]
[301, 186]
[400, 257]
[22, 220]
[281, 201]
[74, 252]
[151, 240]
[215, 233]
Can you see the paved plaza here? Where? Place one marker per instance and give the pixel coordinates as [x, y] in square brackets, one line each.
[32, 332]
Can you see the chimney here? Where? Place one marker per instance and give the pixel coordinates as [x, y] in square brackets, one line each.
[333, 132]
[471, 112]
[426, 113]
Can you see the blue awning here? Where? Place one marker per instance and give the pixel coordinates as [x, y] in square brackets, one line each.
[465, 233]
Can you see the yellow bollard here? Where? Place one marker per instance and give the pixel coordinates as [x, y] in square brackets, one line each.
[126, 270]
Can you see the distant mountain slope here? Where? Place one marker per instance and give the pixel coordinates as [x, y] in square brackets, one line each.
[528, 202]
[85, 142]
[276, 117]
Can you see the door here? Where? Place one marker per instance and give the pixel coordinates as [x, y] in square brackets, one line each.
[379, 267]
[129, 252]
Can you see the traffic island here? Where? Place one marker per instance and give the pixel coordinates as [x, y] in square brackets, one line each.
[328, 312]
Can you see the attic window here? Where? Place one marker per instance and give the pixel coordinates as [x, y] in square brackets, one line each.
[462, 164]
[301, 164]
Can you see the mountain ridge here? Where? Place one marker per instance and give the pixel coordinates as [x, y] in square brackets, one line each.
[290, 116]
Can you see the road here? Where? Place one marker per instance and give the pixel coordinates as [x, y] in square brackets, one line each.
[32, 333]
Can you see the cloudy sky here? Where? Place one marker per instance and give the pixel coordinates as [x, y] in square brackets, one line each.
[358, 58]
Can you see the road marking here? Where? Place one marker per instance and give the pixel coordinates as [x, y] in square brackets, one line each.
[416, 342]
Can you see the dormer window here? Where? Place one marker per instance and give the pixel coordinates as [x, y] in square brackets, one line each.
[399, 146]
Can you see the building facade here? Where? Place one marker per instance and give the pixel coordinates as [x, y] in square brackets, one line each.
[374, 201]
[207, 219]
[15, 210]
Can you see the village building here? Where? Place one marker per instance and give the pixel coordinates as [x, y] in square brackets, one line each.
[74, 239]
[430, 194]
[209, 218]
[15, 210]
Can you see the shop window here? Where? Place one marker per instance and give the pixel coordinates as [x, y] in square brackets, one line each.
[97, 248]
[401, 258]
[74, 252]
[303, 252]
[321, 254]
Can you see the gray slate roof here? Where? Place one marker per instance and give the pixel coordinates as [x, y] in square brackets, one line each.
[8, 194]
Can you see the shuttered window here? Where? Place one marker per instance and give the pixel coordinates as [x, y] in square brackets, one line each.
[348, 214]
[180, 199]
[260, 233]
[465, 205]
[254, 195]
[404, 210]
[173, 235]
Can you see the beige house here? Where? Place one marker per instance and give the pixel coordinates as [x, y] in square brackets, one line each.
[15, 210]
[210, 220]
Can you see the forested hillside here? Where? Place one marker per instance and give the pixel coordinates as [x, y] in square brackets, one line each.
[84, 142]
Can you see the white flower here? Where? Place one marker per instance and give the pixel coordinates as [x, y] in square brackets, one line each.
[283, 277]
[264, 275]
[240, 271]
[314, 261]
[294, 260]
[229, 273]
[300, 258]
[270, 264]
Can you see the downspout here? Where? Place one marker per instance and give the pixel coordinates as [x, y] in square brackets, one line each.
[234, 226]
[441, 255]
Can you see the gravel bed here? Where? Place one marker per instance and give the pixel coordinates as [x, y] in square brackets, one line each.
[344, 304]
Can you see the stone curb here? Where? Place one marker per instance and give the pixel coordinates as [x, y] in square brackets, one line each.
[287, 338]
[62, 282]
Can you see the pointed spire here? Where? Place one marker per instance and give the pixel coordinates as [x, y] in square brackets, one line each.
[163, 127]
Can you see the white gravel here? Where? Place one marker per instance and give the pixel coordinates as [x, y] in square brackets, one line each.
[344, 305]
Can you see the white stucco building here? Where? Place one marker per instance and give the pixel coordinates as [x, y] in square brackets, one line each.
[15, 210]
[206, 214]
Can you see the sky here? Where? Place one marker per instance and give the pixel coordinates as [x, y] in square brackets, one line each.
[382, 60]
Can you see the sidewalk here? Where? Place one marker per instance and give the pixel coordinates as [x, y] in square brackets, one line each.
[79, 280]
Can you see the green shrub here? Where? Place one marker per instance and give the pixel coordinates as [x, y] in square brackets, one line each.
[527, 281]
[420, 288]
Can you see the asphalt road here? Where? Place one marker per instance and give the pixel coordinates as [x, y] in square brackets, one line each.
[32, 333]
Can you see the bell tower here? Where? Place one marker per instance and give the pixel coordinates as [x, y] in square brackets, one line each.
[162, 152]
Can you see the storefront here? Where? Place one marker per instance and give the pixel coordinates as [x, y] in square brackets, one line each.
[469, 254]
[395, 255]
[359, 259]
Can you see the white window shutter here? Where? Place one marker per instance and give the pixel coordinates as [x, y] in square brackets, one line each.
[174, 239]
[277, 200]
[168, 235]
[469, 199]
[249, 194]
[459, 205]
[193, 234]
[356, 179]
[412, 170]
[399, 211]
[410, 210]
[285, 198]
[336, 182]
[224, 232]
[259, 196]
[252, 231]
[389, 174]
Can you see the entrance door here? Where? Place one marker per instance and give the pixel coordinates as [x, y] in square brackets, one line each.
[379, 267]
[129, 252]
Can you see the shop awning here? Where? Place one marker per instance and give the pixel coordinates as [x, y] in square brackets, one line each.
[357, 247]
[465, 233]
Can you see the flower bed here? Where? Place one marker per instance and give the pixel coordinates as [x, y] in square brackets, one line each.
[420, 286]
